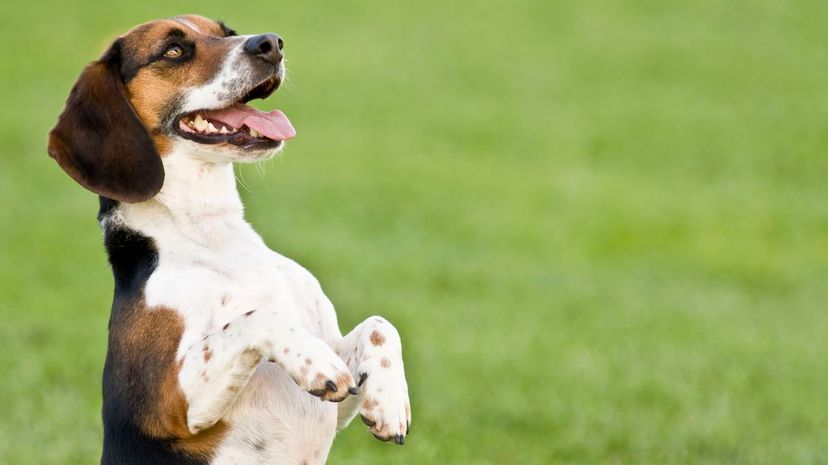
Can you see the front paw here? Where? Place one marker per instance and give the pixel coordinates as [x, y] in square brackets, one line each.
[318, 370]
[385, 407]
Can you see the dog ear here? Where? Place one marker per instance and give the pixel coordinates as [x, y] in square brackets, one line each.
[99, 139]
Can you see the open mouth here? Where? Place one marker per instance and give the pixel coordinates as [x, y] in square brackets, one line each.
[239, 124]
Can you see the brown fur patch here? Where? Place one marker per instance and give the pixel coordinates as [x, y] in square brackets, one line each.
[145, 342]
[385, 363]
[377, 338]
[203, 25]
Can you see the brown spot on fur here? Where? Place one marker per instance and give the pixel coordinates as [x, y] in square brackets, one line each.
[377, 338]
[249, 313]
[308, 361]
[303, 374]
[224, 299]
[369, 403]
[208, 353]
[286, 350]
[224, 328]
[385, 363]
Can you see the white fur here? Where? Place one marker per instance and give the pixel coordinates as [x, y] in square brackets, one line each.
[213, 269]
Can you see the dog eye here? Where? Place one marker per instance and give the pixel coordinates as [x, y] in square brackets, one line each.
[174, 52]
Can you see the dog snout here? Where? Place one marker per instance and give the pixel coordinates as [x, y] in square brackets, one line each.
[266, 46]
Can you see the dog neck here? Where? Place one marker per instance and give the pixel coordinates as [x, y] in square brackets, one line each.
[199, 201]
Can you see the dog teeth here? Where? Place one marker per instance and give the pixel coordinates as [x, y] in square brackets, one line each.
[254, 132]
[200, 123]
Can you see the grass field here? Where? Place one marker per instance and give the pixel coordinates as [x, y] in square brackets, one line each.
[601, 227]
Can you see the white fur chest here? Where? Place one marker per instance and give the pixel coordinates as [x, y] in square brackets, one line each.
[213, 268]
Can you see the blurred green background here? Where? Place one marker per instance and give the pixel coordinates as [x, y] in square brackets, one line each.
[601, 227]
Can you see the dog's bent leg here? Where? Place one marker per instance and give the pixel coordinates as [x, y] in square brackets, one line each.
[214, 369]
[373, 353]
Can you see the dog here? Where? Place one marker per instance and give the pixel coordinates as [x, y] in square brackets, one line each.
[220, 350]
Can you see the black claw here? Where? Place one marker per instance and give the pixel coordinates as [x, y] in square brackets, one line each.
[399, 439]
[367, 421]
[353, 390]
[317, 392]
[362, 378]
[330, 385]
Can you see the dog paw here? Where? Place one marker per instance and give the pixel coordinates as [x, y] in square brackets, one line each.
[384, 406]
[318, 370]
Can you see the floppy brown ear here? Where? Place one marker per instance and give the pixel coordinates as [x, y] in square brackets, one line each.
[99, 139]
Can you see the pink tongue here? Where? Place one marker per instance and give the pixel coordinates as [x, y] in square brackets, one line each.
[273, 125]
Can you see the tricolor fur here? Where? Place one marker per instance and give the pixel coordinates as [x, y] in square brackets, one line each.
[221, 351]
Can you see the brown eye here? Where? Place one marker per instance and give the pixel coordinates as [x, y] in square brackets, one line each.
[173, 52]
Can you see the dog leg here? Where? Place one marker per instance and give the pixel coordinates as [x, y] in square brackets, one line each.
[373, 353]
[215, 369]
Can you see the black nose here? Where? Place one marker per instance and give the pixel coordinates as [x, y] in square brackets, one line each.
[267, 46]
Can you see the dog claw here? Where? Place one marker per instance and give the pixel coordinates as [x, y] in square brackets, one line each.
[367, 421]
[399, 439]
[362, 378]
[330, 385]
[353, 390]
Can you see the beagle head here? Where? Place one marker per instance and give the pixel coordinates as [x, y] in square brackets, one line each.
[164, 88]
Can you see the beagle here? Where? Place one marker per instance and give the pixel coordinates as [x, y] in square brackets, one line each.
[220, 350]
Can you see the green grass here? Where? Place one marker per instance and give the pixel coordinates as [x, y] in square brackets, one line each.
[601, 227]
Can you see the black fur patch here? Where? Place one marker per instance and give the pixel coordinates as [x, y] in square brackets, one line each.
[130, 380]
[132, 256]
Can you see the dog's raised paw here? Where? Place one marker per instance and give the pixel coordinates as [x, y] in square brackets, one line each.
[385, 407]
[317, 370]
